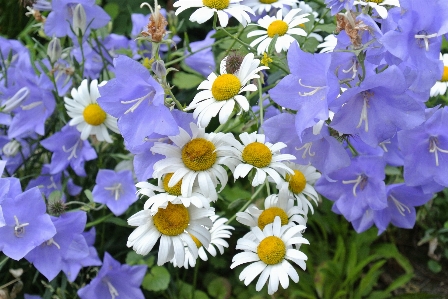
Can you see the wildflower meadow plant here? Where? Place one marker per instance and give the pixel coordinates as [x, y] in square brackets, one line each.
[176, 144]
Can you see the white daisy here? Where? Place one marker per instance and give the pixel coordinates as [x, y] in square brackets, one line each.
[274, 206]
[269, 255]
[263, 156]
[220, 92]
[219, 232]
[174, 225]
[260, 6]
[329, 44]
[282, 27]
[300, 185]
[87, 115]
[379, 5]
[169, 194]
[207, 8]
[198, 158]
[441, 86]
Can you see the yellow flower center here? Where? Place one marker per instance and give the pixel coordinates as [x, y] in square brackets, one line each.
[297, 182]
[267, 1]
[268, 216]
[257, 154]
[176, 189]
[199, 154]
[271, 250]
[196, 241]
[445, 74]
[173, 220]
[94, 115]
[216, 4]
[226, 87]
[375, 1]
[277, 27]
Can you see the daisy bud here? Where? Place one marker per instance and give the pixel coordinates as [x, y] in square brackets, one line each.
[158, 67]
[79, 19]
[54, 49]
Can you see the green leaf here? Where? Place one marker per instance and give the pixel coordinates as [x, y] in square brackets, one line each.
[133, 258]
[157, 280]
[399, 282]
[236, 203]
[237, 191]
[118, 221]
[186, 81]
[310, 45]
[219, 288]
[88, 194]
[329, 28]
[390, 170]
[112, 10]
[434, 266]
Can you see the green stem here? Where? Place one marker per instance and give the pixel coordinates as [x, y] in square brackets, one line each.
[3, 262]
[195, 277]
[9, 283]
[260, 105]
[252, 198]
[178, 104]
[221, 126]
[98, 221]
[174, 61]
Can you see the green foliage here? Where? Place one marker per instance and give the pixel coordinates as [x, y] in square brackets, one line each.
[157, 279]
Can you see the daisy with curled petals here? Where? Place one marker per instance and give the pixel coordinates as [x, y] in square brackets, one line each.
[440, 86]
[219, 232]
[300, 185]
[262, 156]
[274, 206]
[169, 194]
[269, 252]
[88, 117]
[174, 225]
[282, 27]
[219, 93]
[260, 6]
[207, 8]
[195, 159]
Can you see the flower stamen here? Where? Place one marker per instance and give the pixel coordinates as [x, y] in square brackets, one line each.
[434, 148]
[307, 150]
[116, 190]
[19, 229]
[315, 89]
[361, 180]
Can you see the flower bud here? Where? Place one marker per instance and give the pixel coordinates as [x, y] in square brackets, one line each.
[16, 99]
[11, 148]
[79, 19]
[54, 49]
[158, 67]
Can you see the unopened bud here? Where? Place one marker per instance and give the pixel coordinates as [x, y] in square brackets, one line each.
[233, 62]
[16, 99]
[158, 67]
[54, 50]
[11, 148]
[56, 206]
[79, 19]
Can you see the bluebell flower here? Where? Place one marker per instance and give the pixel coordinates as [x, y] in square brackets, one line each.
[115, 280]
[138, 101]
[115, 189]
[68, 149]
[203, 61]
[338, 5]
[47, 257]
[27, 223]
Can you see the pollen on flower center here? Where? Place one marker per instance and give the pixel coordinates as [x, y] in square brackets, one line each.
[216, 4]
[257, 154]
[271, 250]
[375, 1]
[173, 220]
[199, 154]
[176, 189]
[277, 27]
[94, 115]
[196, 241]
[226, 87]
[268, 216]
[445, 74]
[267, 1]
[297, 182]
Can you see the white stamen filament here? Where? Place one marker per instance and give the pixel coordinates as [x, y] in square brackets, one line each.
[426, 38]
[383, 145]
[11, 148]
[353, 68]
[366, 96]
[19, 229]
[16, 99]
[361, 179]
[163, 139]
[401, 207]
[307, 147]
[112, 290]
[31, 106]
[155, 13]
[53, 184]
[434, 148]
[51, 241]
[72, 150]
[315, 89]
[138, 102]
[116, 190]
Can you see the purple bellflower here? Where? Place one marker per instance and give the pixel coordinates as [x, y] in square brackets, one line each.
[47, 257]
[115, 189]
[115, 280]
[338, 5]
[27, 223]
[203, 61]
[68, 149]
[138, 101]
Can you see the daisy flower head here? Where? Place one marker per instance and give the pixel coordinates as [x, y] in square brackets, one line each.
[274, 206]
[440, 86]
[262, 156]
[260, 6]
[174, 225]
[300, 185]
[269, 252]
[195, 159]
[379, 5]
[219, 93]
[219, 232]
[223, 8]
[88, 117]
[282, 27]
[169, 195]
